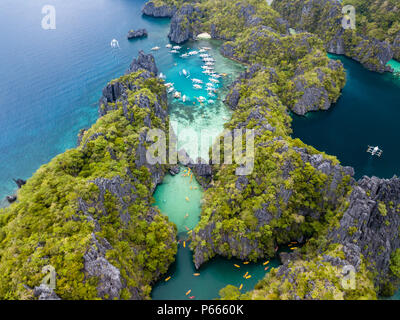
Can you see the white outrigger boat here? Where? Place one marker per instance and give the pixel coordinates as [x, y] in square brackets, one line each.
[155, 48]
[375, 151]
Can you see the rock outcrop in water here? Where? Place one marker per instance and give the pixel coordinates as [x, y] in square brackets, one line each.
[134, 34]
[89, 211]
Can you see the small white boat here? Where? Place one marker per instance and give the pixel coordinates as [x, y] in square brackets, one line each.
[168, 45]
[210, 94]
[185, 55]
[206, 48]
[155, 48]
[214, 80]
[185, 73]
[210, 101]
[114, 43]
[202, 50]
[162, 76]
[177, 95]
[201, 99]
[176, 47]
[192, 53]
[170, 90]
[169, 84]
[197, 86]
[174, 51]
[184, 98]
[197, 80]
[204, 55]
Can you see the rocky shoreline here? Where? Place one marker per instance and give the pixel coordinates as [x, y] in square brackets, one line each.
[98, 199]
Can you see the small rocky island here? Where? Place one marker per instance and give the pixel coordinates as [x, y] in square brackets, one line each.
[140, 33]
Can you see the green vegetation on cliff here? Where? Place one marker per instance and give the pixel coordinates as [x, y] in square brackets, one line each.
[88, 214]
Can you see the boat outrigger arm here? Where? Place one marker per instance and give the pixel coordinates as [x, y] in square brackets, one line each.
[375, 151]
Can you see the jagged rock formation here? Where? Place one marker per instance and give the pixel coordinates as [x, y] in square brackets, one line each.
[89, 211]
[181, 29]
[134, 34]
[396, 47]
[359, 245]
[324, 18]
[43, 292]
[309, 87]
[152, 9]
[371, 225]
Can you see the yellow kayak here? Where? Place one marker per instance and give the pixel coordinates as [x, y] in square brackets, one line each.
[187, 199]
[265, 263]
[196, 274]
[184, 244]
[248, 277]
[236, 265]
[246, 262]
[241, 286]
[187, 293]
[294, 248]
[245, 275]
[167, 279]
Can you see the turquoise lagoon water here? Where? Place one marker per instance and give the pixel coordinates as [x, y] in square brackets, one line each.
[179, 197]
[214, 275]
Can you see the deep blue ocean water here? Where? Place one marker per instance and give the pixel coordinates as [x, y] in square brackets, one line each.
[51, 80]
